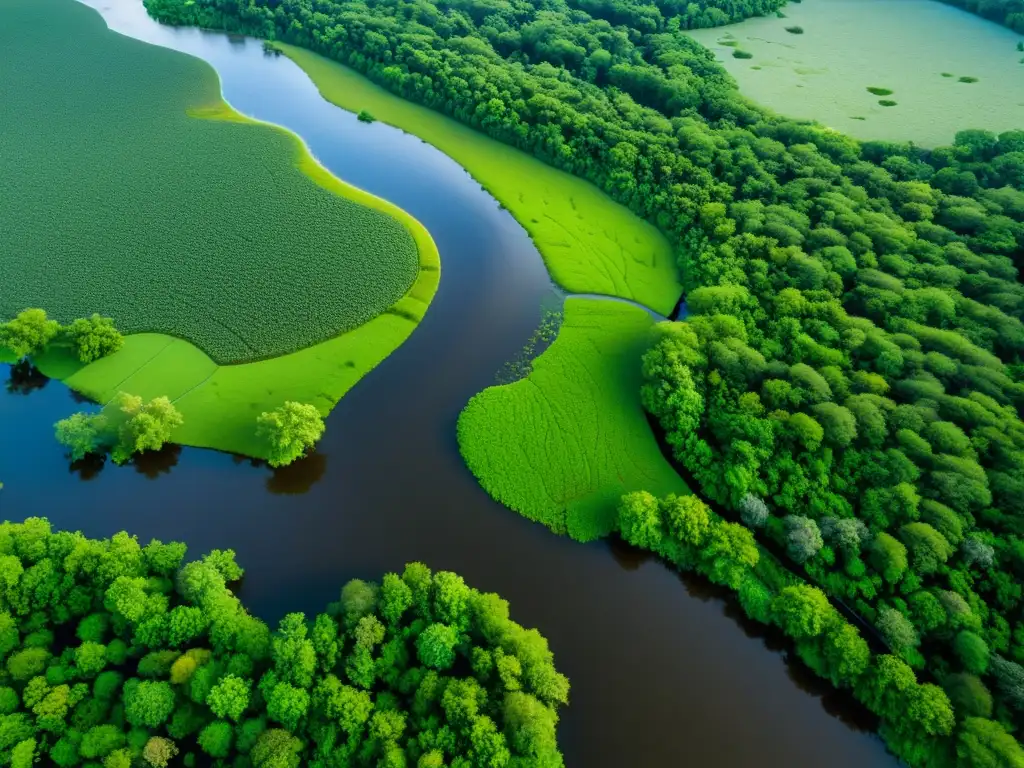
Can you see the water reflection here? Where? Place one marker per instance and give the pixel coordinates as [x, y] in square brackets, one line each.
[25, 378]
[299, 476]
[88, 467]
[153, 464]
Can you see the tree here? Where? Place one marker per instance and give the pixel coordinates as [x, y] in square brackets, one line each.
[435, 646]
[82, 434]
[159, 752]
[802, 611]
[640, 519]
[215, 739]
[968, 695]
[803, 538]
[688, 519]
[928, 548]
[753, 511]
[889, 557]
[148, 703]
[289, 431]
[229, 697]
[94, 337]
[972, 652]
[986, 744]
[896, 628]
[143, 426]
[276, 748]
[28, 333]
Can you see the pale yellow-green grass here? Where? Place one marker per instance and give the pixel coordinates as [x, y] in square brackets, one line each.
[564, 444]
[590, 243]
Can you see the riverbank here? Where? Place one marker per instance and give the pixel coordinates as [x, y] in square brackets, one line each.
[590, 243]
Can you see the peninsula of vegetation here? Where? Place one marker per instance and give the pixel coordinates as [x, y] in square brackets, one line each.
[122, 655]
[235, 297]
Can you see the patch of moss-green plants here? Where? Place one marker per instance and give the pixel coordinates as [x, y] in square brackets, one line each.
[238, 278]
[740, 54]
[967, 79]
[887, 102]
[590, 243]
[795, 30]
[562, 445]
[879, 91]
[729, 43]
[948, 74]
[142, 196]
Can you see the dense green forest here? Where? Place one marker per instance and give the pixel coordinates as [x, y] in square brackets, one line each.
[1007, 12]
[117, 654]
[850, 378]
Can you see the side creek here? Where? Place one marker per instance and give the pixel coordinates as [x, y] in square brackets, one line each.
[664, 671]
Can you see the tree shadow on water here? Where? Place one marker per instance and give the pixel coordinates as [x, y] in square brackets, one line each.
[89, 467]
[152, 464]
[299, 476]
[25, 378]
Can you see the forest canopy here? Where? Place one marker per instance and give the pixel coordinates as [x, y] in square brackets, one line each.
[117, 654]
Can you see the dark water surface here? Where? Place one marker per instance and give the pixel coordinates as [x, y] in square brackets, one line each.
[664, 671]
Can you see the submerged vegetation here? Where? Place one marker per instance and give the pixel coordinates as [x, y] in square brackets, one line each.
[122, 654]
[563, 444]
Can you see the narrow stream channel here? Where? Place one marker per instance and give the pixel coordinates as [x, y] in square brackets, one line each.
[664, 671]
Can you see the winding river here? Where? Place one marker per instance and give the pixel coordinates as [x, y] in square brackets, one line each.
[664, 671]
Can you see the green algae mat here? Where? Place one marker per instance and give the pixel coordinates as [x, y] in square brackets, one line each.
[590, 243]
[564, 444]
[246, 274]
[118, 199]
[852, 52]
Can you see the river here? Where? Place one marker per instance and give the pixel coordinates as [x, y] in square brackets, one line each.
[664, 671]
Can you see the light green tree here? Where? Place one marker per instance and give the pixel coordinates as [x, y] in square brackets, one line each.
[289, 431]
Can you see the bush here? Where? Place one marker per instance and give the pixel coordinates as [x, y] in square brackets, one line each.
[740, 54]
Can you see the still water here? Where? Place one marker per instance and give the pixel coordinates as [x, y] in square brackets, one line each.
[905, 46]
[664, 671]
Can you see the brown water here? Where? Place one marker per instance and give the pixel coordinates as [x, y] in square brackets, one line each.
[664, 671]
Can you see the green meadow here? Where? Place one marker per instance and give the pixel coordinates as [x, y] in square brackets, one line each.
[917, 51]
[590, 243]
[216, 241]
[564, 444]
[130, 205]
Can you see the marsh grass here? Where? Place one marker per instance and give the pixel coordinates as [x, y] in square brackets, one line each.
[887, 102]
[739, 54]
[562, 445]
[795, 30]
[967, 79]
[879, 91]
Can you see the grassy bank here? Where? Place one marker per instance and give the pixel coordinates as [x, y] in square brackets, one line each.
[590, 243]
[221, 233]
[564, 444]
